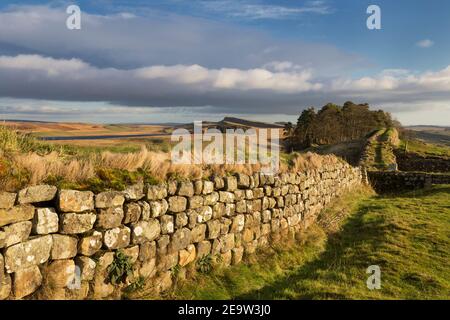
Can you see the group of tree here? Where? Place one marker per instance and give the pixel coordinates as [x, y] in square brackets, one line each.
[334, 124]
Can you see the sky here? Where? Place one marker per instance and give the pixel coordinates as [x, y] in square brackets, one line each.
[179, 60]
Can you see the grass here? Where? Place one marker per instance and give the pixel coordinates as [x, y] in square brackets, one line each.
[405, 234]
[380, 149]
[424, 148]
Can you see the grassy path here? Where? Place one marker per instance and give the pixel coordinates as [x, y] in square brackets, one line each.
[407, 235]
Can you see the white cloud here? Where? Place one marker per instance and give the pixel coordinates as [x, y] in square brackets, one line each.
[426, 43]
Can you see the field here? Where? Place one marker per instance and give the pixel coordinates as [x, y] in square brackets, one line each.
[405, 234]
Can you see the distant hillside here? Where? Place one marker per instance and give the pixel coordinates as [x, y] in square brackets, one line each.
[248, 123]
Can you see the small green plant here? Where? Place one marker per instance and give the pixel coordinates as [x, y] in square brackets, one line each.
[138, 284]
[120, 268]
[205, 264]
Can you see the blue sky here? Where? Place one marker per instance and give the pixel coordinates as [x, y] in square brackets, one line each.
[178, 60]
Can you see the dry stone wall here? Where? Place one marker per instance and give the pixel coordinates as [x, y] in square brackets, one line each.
[65, 244]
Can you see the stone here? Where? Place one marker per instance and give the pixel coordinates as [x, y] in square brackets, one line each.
[132, 253]
[158, 192]
[86, 267]
[5, 286]
[238, 223]
[181, 220]
[117, 238]
[218, 210]
[239, 195]
[147, 251]
[109, 199]
[159, 208]
[231, 183]
[15, 233]
[198, 187]
[243, 180]
[7, 200]
[146, 211]
[247, 235]
[110, 218]
[75, 201]
[195, 202]
[226, 258]
[177, 204]
[167, 224]
[143, 231]
[203, 248]
[185, 189]
[74, 223]
[163, 243]
[172, 186]
[187, 255]
[180, 239]
[168, 261]
[26, 254]
[16, 214]
[198, 233]
[45, 221]
[227, 242]
[90, 244]
[26, 281]
[237, 254]
[226, 197]
[218, 182]
[60, 273]
[64, 247]
[134, 192]
[230, 209]
[241, 206]
[211, 199]
[148, 268]
[36, 194]
[132, 212]
[208, 187]
[213, 229]
[204, 214]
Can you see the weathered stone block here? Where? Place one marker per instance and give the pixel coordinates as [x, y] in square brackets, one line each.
[117, 238]
[213, 229]
[180, 239]
[7, 200]
[218, 210]
[75, 201]
[205, 213]
[45, 221]
[211, 199]
[109, 199]
[26, 281]
[147, 251]
[243, 180]
[198, 187]
[143, 231]
[185, 189]
[5, 286]
[91, 243]
[181, 220]
[198, 233]
[237, 254]
[208, 187]
[132, 253]
[226, 197]
[16, 214]
[74, 223]
[86, 266]
[203, 248]
[26, 254]
[148, 268]
[132, 212]
[177, 204]
[146, 210]
[187, 255]
[167, 224]
[134, 192]
[227, 242]
[231, 183]
[159, 208]
[158, 192]
[195, 202]
[64, 247]
[238, 223]
[110, 218]
[15, 233]
[60, 273]
[35, 194]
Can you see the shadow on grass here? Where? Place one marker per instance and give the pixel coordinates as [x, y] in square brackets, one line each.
[340, 247]
[354, 247]
[417, 193]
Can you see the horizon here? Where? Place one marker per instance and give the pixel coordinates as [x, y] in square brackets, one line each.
[183, 61]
